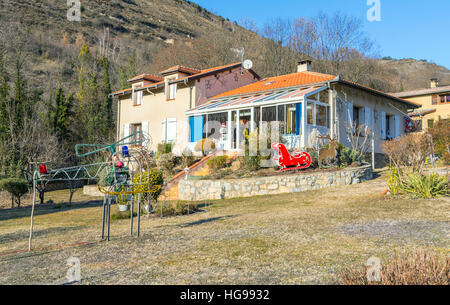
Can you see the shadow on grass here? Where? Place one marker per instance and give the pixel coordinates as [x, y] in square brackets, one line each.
[203, 221]
[24, 234]
[46, 209]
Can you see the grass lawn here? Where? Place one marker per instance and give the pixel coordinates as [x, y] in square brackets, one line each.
[302, 238]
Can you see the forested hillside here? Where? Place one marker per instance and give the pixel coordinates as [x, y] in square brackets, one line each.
[56, 75]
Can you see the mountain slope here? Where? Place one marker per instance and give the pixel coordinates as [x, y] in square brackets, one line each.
[410, 74]
[144, 28]
[143, 19]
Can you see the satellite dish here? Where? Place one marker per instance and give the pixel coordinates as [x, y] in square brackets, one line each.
[247, 64]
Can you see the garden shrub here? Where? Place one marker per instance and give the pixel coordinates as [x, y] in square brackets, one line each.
[426, 186]
[16, 187]
[152, 181]
[218, 162]
[251, 163]
[393, 182]
[166, 162]
[419, 269]
[205, 146]
[409, 153]
[347, 156]
[163, 148]
[314, 157]
[175, 208]
[407, 157]
[441, 139]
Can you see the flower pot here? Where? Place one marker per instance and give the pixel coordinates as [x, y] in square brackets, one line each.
[124, 207]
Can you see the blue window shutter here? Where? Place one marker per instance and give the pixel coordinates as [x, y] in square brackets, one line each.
[298, 119]
[196, 128]
[191, 129]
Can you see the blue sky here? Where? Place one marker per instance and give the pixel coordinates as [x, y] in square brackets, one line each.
[408, 28]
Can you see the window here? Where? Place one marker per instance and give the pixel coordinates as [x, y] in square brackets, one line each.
[430, 123]
[134, 129]
[310, 113]
[172, 91]
[139, 95]
[281, 117]
[390, 134]
[323, 97]
[321, 115]
[269, 114]
[445, 99]
[291, 119]
[215, 121]
[356, 118]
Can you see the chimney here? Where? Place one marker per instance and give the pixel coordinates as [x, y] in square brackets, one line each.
[304, 65]
[434, 83]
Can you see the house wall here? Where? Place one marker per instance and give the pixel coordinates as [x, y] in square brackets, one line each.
[377, 105]
[155, 109]
[442, 110]
[211, 85]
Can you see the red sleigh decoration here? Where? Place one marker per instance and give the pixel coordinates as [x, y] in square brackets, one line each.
[299, 160]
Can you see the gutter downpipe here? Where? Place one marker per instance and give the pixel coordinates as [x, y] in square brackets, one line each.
[190, 92]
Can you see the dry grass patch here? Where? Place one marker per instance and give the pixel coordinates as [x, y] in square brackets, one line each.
[419, 269]
[303, 238]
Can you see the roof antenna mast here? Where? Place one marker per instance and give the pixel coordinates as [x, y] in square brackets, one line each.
[240, 52]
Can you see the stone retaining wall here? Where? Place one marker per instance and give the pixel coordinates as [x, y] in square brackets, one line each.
[294, 183]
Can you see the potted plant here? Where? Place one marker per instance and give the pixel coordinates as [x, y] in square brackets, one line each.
[123, 203]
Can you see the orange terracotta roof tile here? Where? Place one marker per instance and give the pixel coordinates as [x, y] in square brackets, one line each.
[146, 76]
[282, 81]
[180, 69]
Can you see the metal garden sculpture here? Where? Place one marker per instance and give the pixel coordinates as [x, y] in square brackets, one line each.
[126, 158]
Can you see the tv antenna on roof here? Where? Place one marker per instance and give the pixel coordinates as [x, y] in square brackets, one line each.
[245, 64]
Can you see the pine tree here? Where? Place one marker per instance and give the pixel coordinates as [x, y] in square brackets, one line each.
[107, 100]
[4, 96]
[60, 114]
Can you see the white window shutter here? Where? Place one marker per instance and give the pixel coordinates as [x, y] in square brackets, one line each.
[350, 114]
[126, 130]
[171, 130]
[164, 131]
[145, 128]
[383, 125]
[397, 126]
[139, 98]
[173, 91]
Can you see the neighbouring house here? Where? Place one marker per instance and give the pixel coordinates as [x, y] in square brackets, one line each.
[156, 104]
[435, 103]
[305, 102]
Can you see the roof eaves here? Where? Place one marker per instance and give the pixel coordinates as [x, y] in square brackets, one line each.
[421, 92]
[210, 72]
[380, 93]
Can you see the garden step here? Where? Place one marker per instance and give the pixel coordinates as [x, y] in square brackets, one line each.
[198, 169]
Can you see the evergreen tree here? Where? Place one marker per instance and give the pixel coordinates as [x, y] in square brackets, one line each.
[60, 114]
[107, 99]
[4, 96]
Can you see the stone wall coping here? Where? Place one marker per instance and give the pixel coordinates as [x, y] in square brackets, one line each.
[298, 174]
